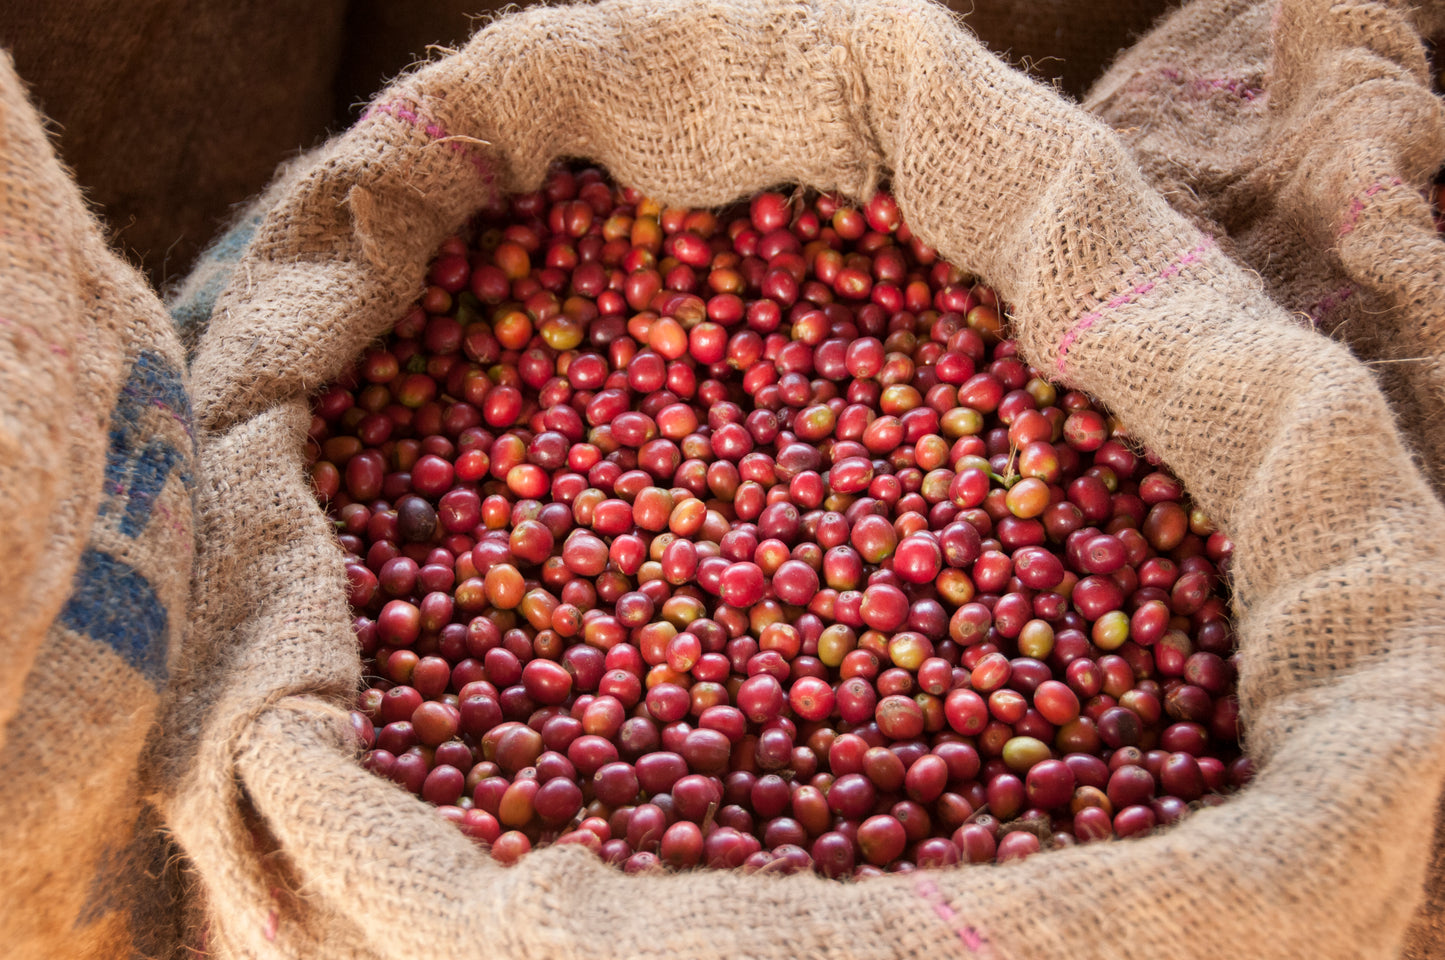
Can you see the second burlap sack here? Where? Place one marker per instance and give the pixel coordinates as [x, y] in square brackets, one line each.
[1280, 434]
[1303, 134]
[96, 465]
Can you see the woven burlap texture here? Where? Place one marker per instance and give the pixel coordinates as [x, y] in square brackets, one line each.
[1281, 435]
[1303, 134]
[95, 461]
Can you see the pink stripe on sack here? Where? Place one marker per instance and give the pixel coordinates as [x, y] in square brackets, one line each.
[1094, 316]
[1203, 86]
[177, 417]
[33, 239]
[1328, 303]
[409, 113]
[177, 526]
[34, 331]
[972, 940]
[1357, 205]
[272, 924]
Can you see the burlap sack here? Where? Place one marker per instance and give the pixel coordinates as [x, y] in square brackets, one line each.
[1280, 433]
[96, 467]
[1303, 135]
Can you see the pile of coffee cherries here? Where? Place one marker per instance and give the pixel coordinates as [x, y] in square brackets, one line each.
[748, 540]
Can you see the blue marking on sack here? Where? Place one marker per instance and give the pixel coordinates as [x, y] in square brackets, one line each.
[112, 603]
[134, 877]
[155, 381]
[134, 478]
[190, 316]
[137, 467]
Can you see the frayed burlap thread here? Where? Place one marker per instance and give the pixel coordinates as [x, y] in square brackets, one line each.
[1337, 572]
[96, 461]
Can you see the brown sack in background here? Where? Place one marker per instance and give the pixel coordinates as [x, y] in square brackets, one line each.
[1067, 43]
[1061, 42]
[1303, 135]
[96, 463]
[172, 111]
[1338, 581]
